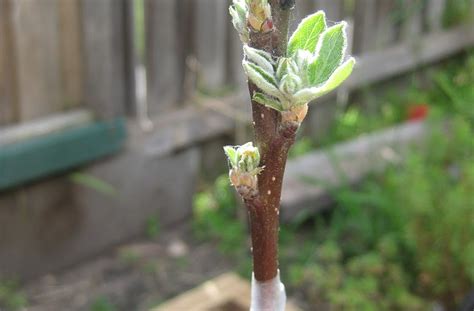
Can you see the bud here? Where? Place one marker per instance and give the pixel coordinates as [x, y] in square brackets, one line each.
[296, 113]
[244, 161]
[290, 84]
[286, 65]
[259, 15]
[248, 156]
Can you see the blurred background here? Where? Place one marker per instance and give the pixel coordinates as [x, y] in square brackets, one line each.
[113, 187]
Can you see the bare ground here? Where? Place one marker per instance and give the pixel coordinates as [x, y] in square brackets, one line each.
[135, 276]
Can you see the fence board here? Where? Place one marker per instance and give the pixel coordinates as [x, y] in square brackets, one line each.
[385, 31]
[333, 9]
[71, 53]
[163, 80]
[35, 26]
[8, 109]
[412, 24]
[434, 14]
[365, 20]
[210, 35]
[130, 56]
[105, 86]
[304, 8]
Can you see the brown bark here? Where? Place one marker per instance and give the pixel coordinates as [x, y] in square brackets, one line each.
[274, 140]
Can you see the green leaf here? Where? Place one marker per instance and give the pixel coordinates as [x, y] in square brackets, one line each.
[260, 58]
[231, 154]
[307, 33]
[261, 78]
[341, 74]
[267, 101]
[330, 53]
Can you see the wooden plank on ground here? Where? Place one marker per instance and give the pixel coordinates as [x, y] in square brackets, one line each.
[163, 80]
[8, 103]
[210, 35]
[71, 52]
[105, 83]
[225, 292]
[36, 31]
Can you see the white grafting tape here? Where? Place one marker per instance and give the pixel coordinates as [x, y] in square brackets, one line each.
[269, 295]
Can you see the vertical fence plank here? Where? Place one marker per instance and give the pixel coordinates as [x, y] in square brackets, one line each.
[304, 8]
[388, 16]
[412, 20]
[130, 56]
[35, 27]
[105, 84]
[333, 9]
[186, 50]
[210, 35]
[163, 80]
[71, 52]
[434, 14]
[375, 24]
[8, 102]
[365, 19]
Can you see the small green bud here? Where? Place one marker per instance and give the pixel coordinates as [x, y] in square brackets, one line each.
[244, 161]
[248, 157]
[290, 84]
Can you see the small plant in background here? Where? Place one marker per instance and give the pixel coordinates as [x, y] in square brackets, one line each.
[102, 304]
[11, 298]
[152, 227]
[284, 76]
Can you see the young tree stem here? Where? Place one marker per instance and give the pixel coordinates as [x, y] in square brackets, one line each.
[274, 140]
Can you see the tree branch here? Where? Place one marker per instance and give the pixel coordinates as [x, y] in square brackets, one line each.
[274, 140]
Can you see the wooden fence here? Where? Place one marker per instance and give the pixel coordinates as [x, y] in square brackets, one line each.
[67, 82]
[58, 55]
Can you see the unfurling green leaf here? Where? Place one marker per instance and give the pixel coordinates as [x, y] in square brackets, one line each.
[260, 58]
[238, 11]
[245, 158]
[267, 101]
[231, 154]
[261, 78]
[248, 157]
[329, 54]
[339, 75]
[285, 65]
[290, 83]
[307, 33]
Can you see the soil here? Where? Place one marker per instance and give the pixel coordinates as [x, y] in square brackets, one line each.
[136, 276]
